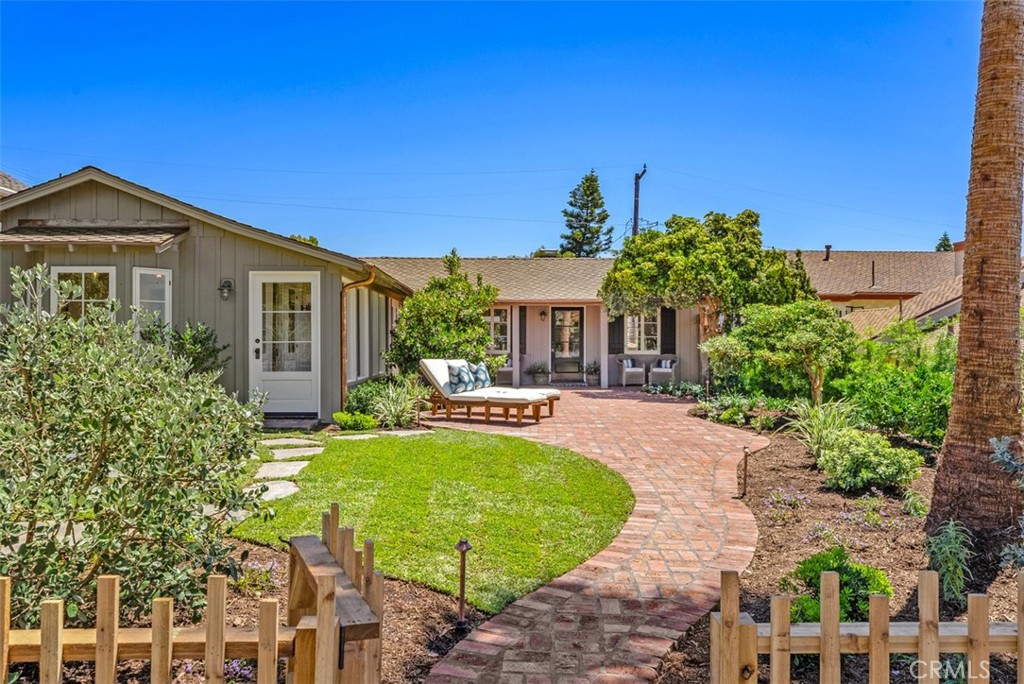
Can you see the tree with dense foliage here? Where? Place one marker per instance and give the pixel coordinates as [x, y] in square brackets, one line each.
[716, 264]
[987, 384]
[115, 458]
[444, 320]
[585, 232]
[944, 244]
[804, 339]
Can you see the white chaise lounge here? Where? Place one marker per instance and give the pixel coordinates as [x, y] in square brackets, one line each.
[488, 398]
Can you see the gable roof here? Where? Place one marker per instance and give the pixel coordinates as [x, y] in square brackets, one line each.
[520, 279]
[9, 184]
[157, 237]
[873, 321]
[92, 173]
[848, 273]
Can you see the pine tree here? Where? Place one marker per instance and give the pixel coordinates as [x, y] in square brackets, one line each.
[945, 244]
[586, 234]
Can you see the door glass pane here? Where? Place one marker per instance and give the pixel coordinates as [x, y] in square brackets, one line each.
[287, 296]
[287, 343]
[287, 357]
[288, 327]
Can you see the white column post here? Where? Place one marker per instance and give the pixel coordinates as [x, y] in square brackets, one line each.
[513, 328]
[603, 336]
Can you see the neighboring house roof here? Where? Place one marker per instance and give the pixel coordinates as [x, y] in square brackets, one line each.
[91, 236]
[9, 184]
[944, 297]
[519, 279]
[849, 273]
[92, 173]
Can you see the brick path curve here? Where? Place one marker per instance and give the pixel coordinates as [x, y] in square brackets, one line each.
[614, 617]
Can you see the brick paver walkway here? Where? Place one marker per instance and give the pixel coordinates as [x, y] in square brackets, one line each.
[615, 616]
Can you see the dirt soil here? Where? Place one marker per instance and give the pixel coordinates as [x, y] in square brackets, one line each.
[796, 517]
[419, 628]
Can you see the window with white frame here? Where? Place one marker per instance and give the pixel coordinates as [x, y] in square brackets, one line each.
[497, 319]
[643, 333]
[96, 285]
[151, 292]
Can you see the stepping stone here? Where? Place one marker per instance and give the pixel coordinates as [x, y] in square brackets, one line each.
[289, 441]
[405, 433]
[281, 469]
[368, 435]
[278, 489]
[282, 454]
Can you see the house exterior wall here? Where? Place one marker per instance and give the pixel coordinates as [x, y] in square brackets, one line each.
[205, 256]
[687, 339]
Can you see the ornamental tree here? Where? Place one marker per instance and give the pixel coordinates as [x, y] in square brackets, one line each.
[585, 233]
[444, 320]
[716, 264]
[804, 338]
[115, 458]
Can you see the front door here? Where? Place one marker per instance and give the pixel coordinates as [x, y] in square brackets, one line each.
[284, 336]
[567, 344]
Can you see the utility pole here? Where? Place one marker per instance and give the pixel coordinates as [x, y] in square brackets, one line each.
[636, 199]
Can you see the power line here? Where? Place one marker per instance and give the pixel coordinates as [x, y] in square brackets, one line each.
[317, 172]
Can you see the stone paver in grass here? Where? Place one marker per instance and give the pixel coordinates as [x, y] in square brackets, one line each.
[365, 435]
[404, 433]
[282, 454]
[289, 441]
[280, 469]
[613, 618]
[277, 489]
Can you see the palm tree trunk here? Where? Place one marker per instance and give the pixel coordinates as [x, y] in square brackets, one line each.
[987, 384]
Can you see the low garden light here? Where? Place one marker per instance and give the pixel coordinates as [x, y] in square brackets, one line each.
[462, 547]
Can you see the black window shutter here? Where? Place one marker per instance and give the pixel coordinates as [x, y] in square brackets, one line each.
[617, 335]
[522, 330]
[668, 331]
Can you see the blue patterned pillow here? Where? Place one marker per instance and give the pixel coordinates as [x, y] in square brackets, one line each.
[628, 363]
[481, 376]
[460, 378]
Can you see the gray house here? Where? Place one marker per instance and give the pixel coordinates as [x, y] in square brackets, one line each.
[303, 323]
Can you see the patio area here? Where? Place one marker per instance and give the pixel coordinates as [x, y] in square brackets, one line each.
[615, 616]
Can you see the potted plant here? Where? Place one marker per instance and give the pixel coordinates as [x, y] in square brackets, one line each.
[539, 371]
[593, 372]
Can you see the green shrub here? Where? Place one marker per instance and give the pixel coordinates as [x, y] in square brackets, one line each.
[196, 343]
[117, 457]
[858, 460]
[819, 427]
[362, 397]
[914, 504]
[689, 390]
[857, 582]
[495, 363]
[950, 551]
[354, 421]
[733, 415]
[397, 404]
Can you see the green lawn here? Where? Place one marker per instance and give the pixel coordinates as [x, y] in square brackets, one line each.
[531, 511]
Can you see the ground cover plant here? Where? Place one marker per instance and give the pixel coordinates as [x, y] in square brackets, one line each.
[531, 511]
[110, 449]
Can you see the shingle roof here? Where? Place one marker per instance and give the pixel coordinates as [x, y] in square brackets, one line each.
[89, 236]
[849, 272]
[520, 279]
[9, 184]
[868, 321]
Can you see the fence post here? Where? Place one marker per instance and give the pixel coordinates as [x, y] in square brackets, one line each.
[266, 659]
[326, 631]
[878, 639]
[729, 639]
[830, 670]
[163, 646]
[5, 625]
[51, 645]
[780, 655]
[108, 609]
[216, 615]
[304, 660]
[747, 649]
[928, 627]
[977, 638]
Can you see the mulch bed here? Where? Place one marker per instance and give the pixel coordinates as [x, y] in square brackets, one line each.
[419, 628]
[893, 541]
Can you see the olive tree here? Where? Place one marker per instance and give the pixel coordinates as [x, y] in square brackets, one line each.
[114, 459]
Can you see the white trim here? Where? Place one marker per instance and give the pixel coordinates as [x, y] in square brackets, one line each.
[603, 337]
[516, 352]
[255, 325]
[109, 270]
[164, 273]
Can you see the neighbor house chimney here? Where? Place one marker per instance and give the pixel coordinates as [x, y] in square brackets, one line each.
[828, 252]
[958, 257]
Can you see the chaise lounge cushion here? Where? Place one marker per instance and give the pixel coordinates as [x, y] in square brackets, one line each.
[503, 395]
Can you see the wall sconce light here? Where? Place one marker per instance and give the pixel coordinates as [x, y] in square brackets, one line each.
[543, 315]
[227, 286]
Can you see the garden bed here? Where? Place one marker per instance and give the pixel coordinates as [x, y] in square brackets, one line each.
[419, 628]
[796, 517]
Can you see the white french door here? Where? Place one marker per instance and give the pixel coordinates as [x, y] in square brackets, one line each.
[284, 340]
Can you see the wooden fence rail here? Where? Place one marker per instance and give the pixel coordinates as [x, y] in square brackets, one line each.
[332, 632]
[736, 640]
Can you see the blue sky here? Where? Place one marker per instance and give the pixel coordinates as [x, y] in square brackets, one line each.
[411, 128]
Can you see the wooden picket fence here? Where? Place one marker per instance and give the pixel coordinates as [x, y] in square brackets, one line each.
[736, 640]
[332, 633]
